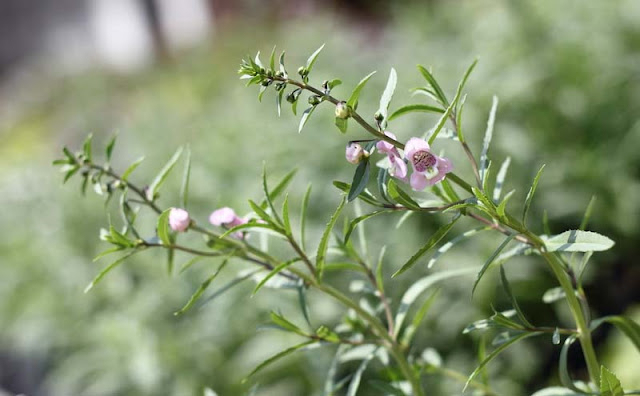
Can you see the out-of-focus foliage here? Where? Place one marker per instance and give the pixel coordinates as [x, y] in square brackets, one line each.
[566, 75]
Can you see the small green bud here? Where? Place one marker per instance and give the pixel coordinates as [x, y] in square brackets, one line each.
[279, 74]
[292, 97]
[314, 100]
[378, 116]
[302, 71]
[342, 110]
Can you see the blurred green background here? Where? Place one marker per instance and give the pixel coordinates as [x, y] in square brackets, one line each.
[566, 73]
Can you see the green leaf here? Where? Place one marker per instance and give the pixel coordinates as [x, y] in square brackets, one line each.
[264, 216]
[487, 138]
[342, 124]
[630, 328]
[448, 189]
[302, 301]
[502, 207]
[280, 321]
[107, 252]
[278, 356]
[512, 298]
[387, 95]
[279, 101]
[312, 59]
[162, 176]
[329, 383]
[108, 268]
[431, 242]
[364, 195]
[444, 248]
[587, 213]
[360, 179]
[532, 190]
[109, 149]
[418, 287]
[285, 215]
[398, 195]
[495, 353]
[131, 168]
[305, 117]
[418, 317]
[163, 228]
[386, 388]
[502, 174]
[578, 241]
[490, 260]
[267, 195]
[379, 275]
[444, 117]
[86, 147]
[70, 173]
[281, 61]
[280, 267]
[234, 282]
[184, 189]
[357, 376]
[467, 74]
[358, 220]
[303, 216]
[250, 225]
[198, 293]
[563, 371]
[324, 241]
[609, 383]
[439, 93]
[334, 83]
[421, 108]
[557, 391]
[272, 59]
[353, 99]
[279, 188]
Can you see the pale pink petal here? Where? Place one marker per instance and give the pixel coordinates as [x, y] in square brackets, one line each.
[418, 181]
[398, 167]
[354, 153]
[179, 220]
[435, 179]
[415, 144]
[385, 147]
[444, 165]
[222, 216]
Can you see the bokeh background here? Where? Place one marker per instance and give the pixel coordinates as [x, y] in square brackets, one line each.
[162, 73]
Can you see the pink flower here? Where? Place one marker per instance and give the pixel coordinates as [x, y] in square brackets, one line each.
[354, 153]
[227, 218]
[179, 219]
[428, 168]
[398, 167]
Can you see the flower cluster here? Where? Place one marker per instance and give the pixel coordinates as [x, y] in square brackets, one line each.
[428, 168]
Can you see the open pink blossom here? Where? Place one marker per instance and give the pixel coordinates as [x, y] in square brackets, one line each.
[179, 219]
[226, 217]
[354, 152]
[428, 168]
[398, 168]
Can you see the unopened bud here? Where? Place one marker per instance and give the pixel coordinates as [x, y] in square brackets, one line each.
[179, 219]
[354, 153]
[378, 116]
[314, 100]
[342, 110]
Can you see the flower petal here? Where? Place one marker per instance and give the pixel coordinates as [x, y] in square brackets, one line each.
[415, 144]
[385, 147]
[222, 216]
[444, 165]
[418, 181]
[398, 167]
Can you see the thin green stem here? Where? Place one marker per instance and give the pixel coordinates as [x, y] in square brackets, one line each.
[463, 378]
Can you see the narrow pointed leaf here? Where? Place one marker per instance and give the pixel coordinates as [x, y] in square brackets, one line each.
[162, 176]
[399, 196]
[431, 242]
[445, 247]
[274, 272]
[234, 282]
[532, 190]
[303, 216]
[630, 328]
[563, 370]
[502, 207]
[353, 99]
[491, 259]
[587, 213]
[272, 59]
[487, 138]
[305, 117]
[357, 376]
[578, 241]
[278, 356]
[198, 293]
[502, 174]
[324, 241]
[184, 189]
[364, 195]
[609, 384]
[439, 93]
[162, 227]
[360, 179]
[131, 168]
[418, 317]
[267, 195]
[279, 188]
[302, 301]
[387, 95]
[109, 149]
[419, 108]
[312, 59]
[512, 298]
[108, 268]
[282, 322]
[358, 220]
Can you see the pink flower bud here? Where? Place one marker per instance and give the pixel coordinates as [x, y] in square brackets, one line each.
[354, 153]
[179, 219]
[227, 218]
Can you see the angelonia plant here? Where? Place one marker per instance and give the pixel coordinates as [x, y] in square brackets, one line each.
[382, 329]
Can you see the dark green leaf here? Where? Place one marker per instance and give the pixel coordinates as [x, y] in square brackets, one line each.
[401, 197]
[434, 84]
[278, 356]
[360, 180]
[364, 195]
[109, 148]
[431, 242]
[198, 293]
[512, 298]
[302, 301]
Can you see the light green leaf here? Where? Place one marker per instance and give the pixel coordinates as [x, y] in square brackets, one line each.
[418, 287]
[279, 188]
[444, 248]
[563, 370]
[609, 383]
[420, 108]
[131, 168]
[578, 241]
[162, 176]
[312, 59]
[487, 138]
[630, 328]
[490, 260]
[305, 117]
[184, 189]
[364, 195]
[512, 298]
[502, 175]
[162, 227]
[272, 59]
[353, 99]
[431, 242]
[502, 207]
[399, 196]
[387, 95]
[358, 220]
[587, 213]
[303, 216]
[357, 376]
[280, 321]
[439, 93]
[86, 147]
[324, 241]
[267, 195]
[443, 118]
[108, 268]
[277, 357]
[342, 124]
[532, 190]
[109, 149]
[274, 272]
[418, 317]
[198, 293]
